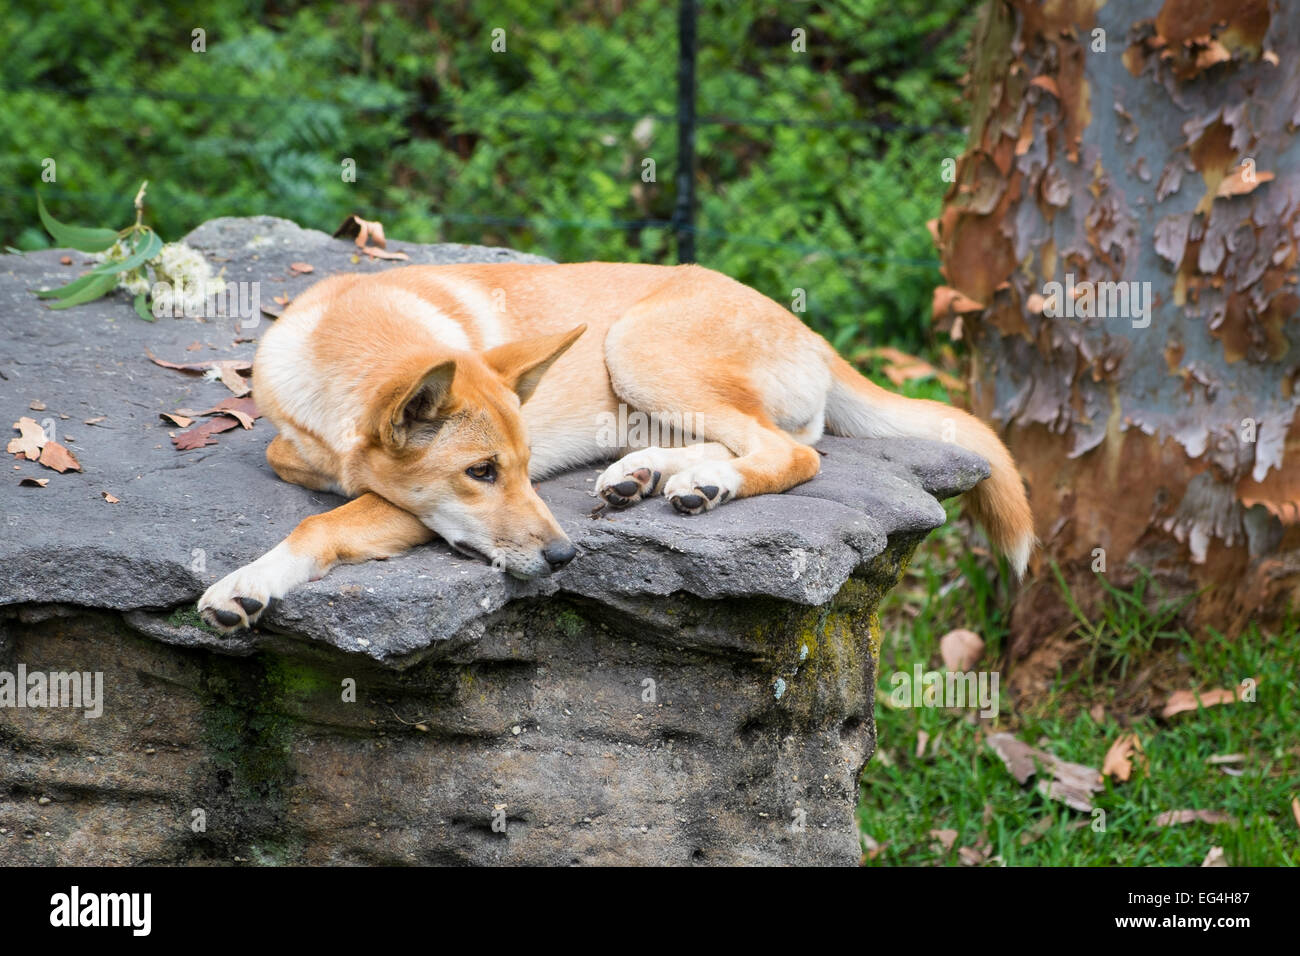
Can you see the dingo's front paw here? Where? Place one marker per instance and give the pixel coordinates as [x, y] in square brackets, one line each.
[239, 599]
[234, 602]
[702, 487]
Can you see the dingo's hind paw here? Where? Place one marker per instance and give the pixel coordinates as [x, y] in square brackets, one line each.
[702, 487]
[625, 482]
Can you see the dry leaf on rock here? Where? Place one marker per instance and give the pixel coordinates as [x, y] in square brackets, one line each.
[30, 441]
[302, 268]
[34, 482]
[366, 230]
[37, 405]
[201, 435]
[181, 421]
[55, 456]
[109, 498]
[239, 365]
[228, 374]
[961, 649]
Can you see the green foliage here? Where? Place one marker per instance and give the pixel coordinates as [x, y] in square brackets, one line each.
[452, 141]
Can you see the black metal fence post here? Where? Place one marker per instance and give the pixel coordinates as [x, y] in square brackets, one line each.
[684, 211]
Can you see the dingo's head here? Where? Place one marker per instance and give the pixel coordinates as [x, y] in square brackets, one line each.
[448, 444]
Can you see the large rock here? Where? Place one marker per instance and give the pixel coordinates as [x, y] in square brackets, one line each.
[689, 689]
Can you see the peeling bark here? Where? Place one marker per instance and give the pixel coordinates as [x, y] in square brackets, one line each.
[1168, 157]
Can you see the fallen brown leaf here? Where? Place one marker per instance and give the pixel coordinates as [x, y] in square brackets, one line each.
[1215, 857]
[374, 253]
[55, 456]
[1120, 757]
[946, 838]
[1184, 700]
[228, 374]
[971, 856]
[240, 407]
[239, 365]
[30, 440]
[181, 421]
[34, 482]
[1071, 783]
[1037, 831]
[109, 498]
[1175, 817]
[37, 405]
[201, 435]
[363, 229]
[961, 649]
[1215, 759]
[94, 421]
[302, 268]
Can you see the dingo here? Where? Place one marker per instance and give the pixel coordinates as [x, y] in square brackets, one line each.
[435, 395]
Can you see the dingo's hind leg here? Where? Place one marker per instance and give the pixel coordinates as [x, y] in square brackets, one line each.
[745, 378]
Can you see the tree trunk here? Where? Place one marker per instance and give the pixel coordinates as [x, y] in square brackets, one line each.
[1154, 147]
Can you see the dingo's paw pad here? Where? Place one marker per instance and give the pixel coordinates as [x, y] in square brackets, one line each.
[233, 603]
[620, 487]
[701, 488]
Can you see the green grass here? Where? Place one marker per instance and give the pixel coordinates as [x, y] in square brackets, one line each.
[960, 784]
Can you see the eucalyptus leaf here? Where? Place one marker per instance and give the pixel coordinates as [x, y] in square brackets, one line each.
[75, 237]
[100, 283]
[141, 309]
[145, 251]
[76, 285]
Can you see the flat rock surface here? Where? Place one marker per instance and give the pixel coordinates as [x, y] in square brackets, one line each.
[184, 519]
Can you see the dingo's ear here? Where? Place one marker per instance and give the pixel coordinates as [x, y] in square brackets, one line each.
[522, 364]
[411, 410]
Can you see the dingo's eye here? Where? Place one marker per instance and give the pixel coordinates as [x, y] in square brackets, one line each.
[483, 471]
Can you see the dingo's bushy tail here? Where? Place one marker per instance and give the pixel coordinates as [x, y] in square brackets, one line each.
[858, 408]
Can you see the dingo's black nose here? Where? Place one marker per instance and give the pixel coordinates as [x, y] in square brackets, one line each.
[558, 554]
